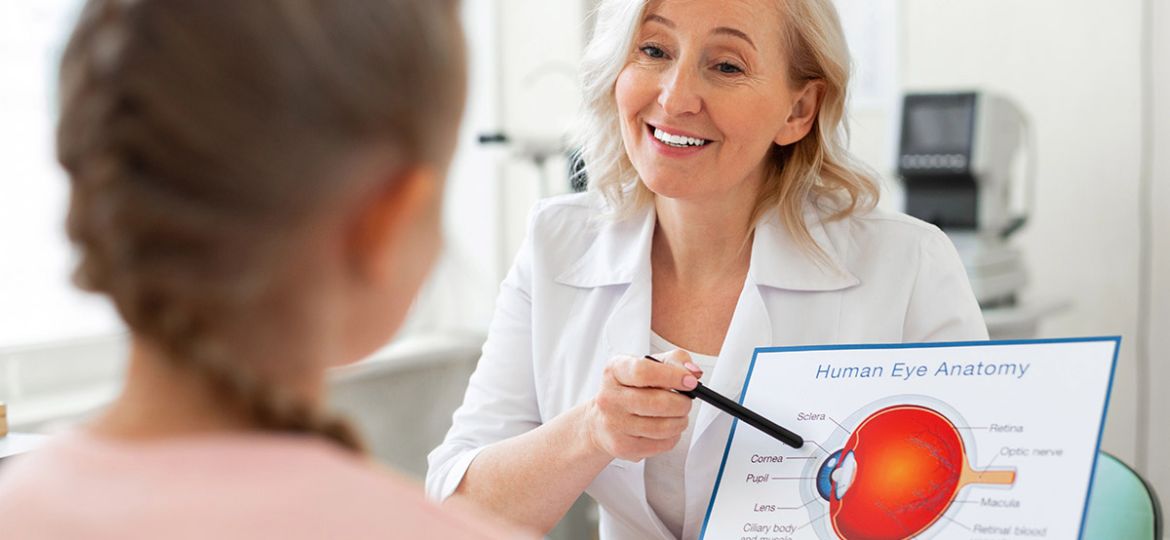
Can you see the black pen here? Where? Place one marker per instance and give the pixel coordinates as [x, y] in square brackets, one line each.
[743, 413]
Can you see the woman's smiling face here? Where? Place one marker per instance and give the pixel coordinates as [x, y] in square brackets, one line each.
[705, 94]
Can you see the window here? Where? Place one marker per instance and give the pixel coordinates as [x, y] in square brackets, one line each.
[37, 302]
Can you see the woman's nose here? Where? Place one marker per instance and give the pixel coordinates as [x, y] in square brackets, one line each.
[679, 94]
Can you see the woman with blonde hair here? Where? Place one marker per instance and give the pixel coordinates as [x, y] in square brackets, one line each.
[724, 213]
[256, 186]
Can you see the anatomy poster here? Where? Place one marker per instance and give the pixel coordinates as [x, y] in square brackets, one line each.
[967, 440]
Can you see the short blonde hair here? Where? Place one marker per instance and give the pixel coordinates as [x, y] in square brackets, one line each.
[817, 168]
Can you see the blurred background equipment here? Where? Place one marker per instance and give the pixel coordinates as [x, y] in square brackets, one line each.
[956, 159]
[967, 161]
[538, 151]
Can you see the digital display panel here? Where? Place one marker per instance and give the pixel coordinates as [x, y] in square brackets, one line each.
[939, 126]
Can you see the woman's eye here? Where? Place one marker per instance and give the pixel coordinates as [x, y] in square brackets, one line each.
[653, 52]
[728, 68]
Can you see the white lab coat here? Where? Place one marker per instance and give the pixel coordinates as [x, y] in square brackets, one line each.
[579, 294]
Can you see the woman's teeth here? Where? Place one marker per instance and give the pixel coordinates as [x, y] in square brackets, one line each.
[677, 140]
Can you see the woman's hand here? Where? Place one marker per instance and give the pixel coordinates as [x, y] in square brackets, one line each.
[635, 415]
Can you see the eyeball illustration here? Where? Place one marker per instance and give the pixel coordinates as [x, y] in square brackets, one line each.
[897, 474]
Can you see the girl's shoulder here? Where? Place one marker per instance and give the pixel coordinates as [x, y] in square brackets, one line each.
[230, 486]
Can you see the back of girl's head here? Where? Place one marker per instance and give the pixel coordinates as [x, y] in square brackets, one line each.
[202, 136]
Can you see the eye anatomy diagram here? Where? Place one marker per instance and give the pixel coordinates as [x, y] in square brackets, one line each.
[898, 474]
[971, 441]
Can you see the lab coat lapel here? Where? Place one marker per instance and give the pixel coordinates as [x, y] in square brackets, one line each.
[751, 326]
[777, 262]
[627, 330]
[620, 257]
[779, 278]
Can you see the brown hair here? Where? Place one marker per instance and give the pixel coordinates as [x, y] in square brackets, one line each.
[200, 136]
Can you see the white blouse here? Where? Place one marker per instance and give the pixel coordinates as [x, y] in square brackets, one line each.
[579, 294]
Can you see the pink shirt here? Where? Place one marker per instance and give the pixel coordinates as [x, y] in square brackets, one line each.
[223, 486]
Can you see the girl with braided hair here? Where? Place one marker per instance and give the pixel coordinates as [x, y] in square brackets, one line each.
[256, 185]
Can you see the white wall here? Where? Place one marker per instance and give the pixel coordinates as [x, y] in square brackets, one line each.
[37, 303]
[1074, 66]
[1160, 317]
[541, 44]
[461, 291]
[523, 57]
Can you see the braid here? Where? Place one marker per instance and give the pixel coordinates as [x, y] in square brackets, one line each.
[177, 225]
[94, 165]
[272, 407]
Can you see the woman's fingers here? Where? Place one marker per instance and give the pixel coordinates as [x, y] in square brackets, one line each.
[643, 373]
[681, 358]
[648, 402]
[647, 427]
[636, 414]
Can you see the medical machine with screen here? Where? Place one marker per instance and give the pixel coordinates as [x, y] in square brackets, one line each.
[957, 158]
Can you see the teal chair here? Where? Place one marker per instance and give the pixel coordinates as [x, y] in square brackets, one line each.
[1122, 505]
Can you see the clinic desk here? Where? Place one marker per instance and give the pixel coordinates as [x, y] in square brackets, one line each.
[15, 444]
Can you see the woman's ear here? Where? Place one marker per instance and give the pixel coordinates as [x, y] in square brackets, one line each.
[805, 108]
[389, 220]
